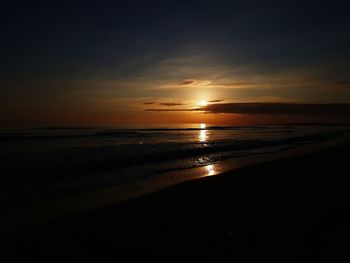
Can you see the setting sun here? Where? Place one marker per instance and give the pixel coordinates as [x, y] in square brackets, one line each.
[113, 114]
[202, 103]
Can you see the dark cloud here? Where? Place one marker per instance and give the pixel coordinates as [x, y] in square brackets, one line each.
[171, 110]
[344, 82]
[187, 82]
[272, 108]
[114, 37]
[172, 104]
[281, 109]
[214, 101]
[242, 84]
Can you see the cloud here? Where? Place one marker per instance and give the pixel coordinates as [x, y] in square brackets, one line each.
[343, 82]
[214, 101]
[187, 82]
[271, 108]
[260, 83]
[195, 82]
[169, 104]
[171, 109]
[172, 104]
[340, 109]
[242, 84]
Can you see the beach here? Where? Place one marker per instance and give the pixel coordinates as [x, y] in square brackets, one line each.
[175, 131]
[288, 210]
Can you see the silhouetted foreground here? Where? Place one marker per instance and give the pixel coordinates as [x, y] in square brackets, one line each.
[294, 210]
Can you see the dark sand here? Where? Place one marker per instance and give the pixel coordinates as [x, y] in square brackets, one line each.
[291, 210]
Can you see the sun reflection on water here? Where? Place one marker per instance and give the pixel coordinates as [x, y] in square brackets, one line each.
[203, 133]
[210, 169]
[203, 136]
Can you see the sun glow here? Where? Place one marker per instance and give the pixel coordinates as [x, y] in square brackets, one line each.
[202, 103]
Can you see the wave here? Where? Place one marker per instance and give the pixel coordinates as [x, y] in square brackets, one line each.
[69, 132]
[91, 160]
[31, 136]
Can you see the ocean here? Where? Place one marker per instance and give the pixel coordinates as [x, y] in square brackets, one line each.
[51, 163]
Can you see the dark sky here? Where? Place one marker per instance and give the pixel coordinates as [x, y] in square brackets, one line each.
[76, 56]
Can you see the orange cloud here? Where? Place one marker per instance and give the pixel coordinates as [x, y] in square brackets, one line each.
[270, 108]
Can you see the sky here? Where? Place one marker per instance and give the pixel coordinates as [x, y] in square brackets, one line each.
[148, 62]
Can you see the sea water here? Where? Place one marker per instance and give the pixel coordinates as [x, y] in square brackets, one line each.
[48, 163]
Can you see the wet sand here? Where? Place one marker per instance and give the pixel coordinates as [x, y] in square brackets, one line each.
[289, 210]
